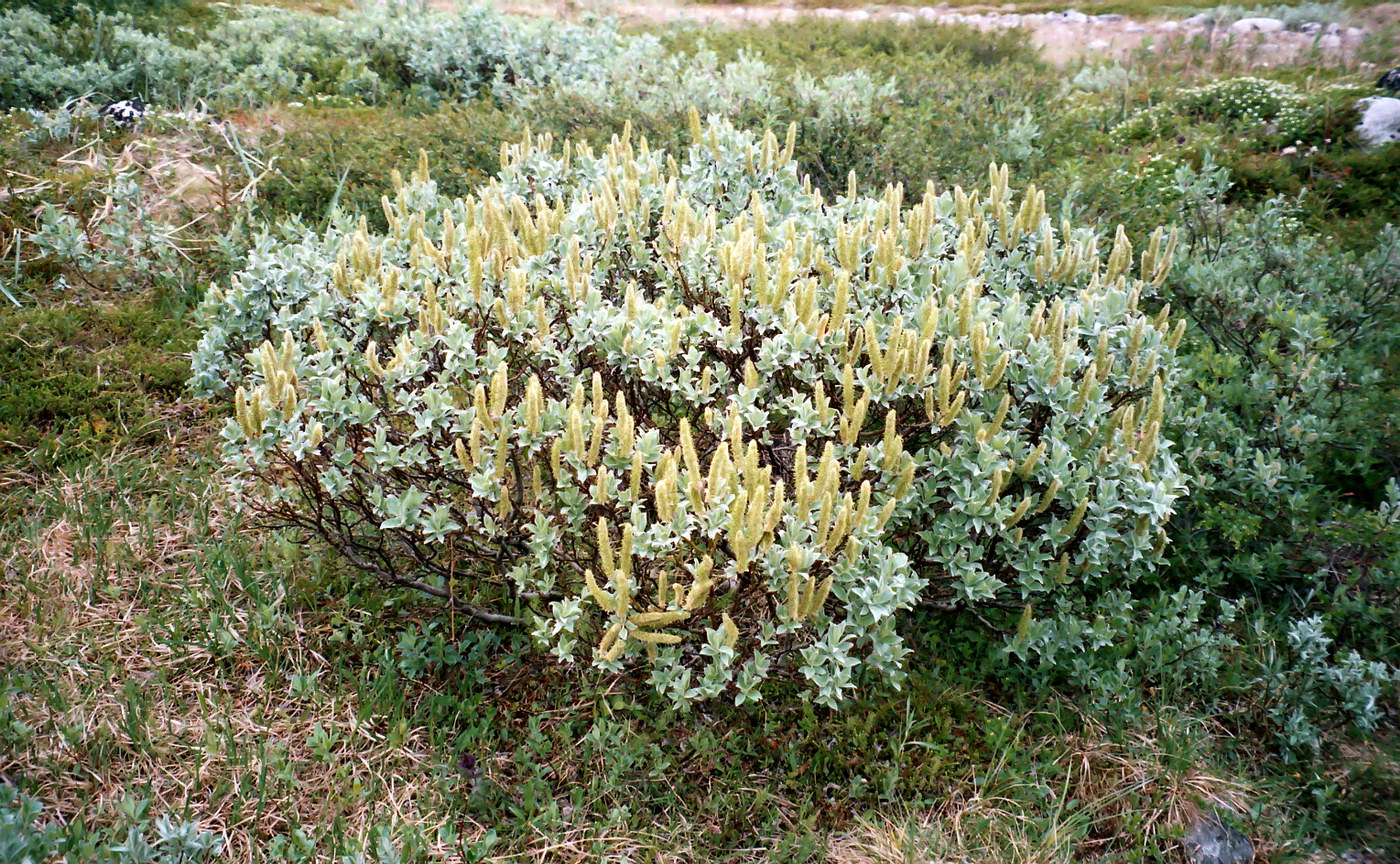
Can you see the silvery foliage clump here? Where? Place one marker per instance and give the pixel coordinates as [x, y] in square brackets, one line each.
[24, 839]
[684, 414]
[657, 81]
[1101, 78]
[1313, 685]
[123, 241]
[264, 54]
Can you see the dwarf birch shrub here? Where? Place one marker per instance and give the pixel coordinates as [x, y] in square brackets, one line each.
[685, 414]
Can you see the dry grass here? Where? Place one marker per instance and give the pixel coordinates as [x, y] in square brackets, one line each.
[201, 719]
[1110, 797]
[213, 726]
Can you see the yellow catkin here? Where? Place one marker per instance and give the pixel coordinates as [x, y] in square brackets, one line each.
[595, 591]
[1078, 516]
[1019, 513]
[657, 619]
[700, 588]
[656, 638]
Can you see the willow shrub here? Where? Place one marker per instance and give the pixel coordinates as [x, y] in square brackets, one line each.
[686, 415]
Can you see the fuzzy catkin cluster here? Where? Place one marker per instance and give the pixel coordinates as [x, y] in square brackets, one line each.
[689, 416]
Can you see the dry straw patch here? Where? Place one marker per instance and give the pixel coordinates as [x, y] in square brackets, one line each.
[132, 704]
[125, 706]
[1108, 799]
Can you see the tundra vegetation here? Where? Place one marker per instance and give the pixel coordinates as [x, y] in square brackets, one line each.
[444, 435]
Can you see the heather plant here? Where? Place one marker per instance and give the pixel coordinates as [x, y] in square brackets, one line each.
[688, 414]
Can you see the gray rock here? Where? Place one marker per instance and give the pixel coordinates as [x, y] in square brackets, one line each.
[1211, 841]
[1311, 27]
[903, 18]
[1110, 17]
[1074, 16]
[1380, 120]
[1198, 20]
[1257, 25]
[1169, 26]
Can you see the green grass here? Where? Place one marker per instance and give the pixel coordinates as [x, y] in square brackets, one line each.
[81, 375]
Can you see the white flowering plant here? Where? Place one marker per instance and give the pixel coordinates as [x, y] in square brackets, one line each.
[1275, 111]
[684, 414]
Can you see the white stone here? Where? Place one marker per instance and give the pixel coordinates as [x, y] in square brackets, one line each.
[903, 18]
[1169, 26]
[1354, 32]
[1198, 20]
[1074, 16]
[1256, 25]
[928, 13]
[1311, 27]
[1380, 120]
[1098, 45]
[1134, 28]
[857, 15]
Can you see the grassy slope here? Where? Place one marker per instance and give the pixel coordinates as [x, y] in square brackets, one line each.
[153, 647]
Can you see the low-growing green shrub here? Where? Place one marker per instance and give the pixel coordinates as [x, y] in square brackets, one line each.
[82, 377]
[689, 414]
[1337, 181]
[1288, 424]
